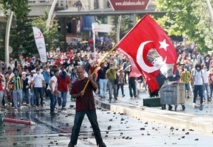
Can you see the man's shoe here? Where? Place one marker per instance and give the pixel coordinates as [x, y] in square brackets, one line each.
[193, 105]
[70, 145]
[201, 107]
[102, 145]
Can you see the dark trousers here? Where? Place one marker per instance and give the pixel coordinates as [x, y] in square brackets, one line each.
[122, 89]
[211, 90]
[132, 88]
[79, 116]
[38, 94]
[198, 88]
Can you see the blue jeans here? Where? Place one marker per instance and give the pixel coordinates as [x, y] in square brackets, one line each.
[26, 95]
[198, 88]
[17, 98]
[63, 96]
[79, 116]
[32, 97]
[112, 89]
[206, 87]
[102, 87]
[52, 101]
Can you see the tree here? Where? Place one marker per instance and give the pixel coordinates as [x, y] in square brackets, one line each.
[21, 26]
[188, 18]
[51, 35]
[126, 24]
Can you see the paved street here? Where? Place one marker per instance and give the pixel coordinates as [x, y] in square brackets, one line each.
[126, 123]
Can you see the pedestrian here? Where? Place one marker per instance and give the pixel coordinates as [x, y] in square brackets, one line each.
[16, 89]
[211, 82]
[102, 80]
[39, 83]
[132, 87]
[121, 82]
[25, 88]
[46, 75]
[31, 86]
[63, 81]
[186, 77]
[198, 81]
[53, 92]
[85, 104]
[206, 84]
[112, 81]
[2, 81]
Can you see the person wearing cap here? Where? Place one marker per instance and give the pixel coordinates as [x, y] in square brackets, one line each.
[16, 89]
[25, 88]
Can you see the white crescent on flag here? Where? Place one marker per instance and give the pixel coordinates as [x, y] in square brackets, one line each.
[141, 62]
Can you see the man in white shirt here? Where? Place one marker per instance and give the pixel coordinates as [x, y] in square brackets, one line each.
[53, 91]
[206, 84]
[198, 79]
[39, 84]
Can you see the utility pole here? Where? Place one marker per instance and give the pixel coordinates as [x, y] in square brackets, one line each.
[210, 10]
[7, 38]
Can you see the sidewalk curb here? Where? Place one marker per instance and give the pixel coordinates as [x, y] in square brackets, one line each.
[182, 121]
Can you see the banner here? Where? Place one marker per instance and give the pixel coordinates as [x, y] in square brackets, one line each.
[40, 43]
[129, 5]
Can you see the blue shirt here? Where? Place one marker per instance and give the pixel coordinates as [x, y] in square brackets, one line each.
[46, 76]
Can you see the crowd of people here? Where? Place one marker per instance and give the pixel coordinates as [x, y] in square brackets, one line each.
[27, 81]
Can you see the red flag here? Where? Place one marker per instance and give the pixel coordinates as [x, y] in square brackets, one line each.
[152, 51]
[135, 72]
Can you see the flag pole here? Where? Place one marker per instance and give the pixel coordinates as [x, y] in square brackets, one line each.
[99, 65]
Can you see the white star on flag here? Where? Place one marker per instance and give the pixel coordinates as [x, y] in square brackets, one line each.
[163, 44]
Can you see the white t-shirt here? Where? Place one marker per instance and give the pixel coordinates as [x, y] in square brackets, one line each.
[205, 76]
[38, 78]
[54, 84]
[198, 77]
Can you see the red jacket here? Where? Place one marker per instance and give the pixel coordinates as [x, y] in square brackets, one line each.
[63, 84]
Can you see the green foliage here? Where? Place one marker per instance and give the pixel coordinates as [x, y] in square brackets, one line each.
[189, 18]
[126, 26]
[52, 37]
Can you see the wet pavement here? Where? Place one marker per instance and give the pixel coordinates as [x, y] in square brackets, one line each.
[126, 122]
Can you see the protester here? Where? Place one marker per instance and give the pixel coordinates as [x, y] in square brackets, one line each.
[85, 104]
[2, 81]
[53, 92]
[197, 78]
[63, 82]
[111, 76]
[186, 77]
[121, 82]
[102, 80]
[39, 83]
[25, 88]
[16, 89]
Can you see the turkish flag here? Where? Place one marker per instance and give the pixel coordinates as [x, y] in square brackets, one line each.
[151, 50]
[135, 72]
